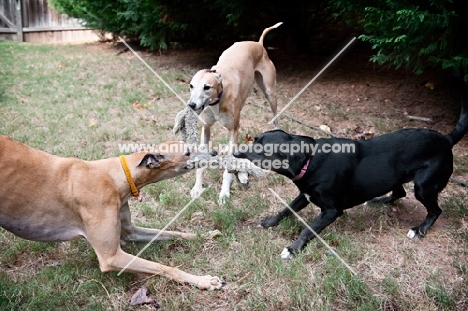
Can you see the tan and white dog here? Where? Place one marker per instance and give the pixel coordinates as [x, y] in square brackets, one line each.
[219, 93]
[47, 198]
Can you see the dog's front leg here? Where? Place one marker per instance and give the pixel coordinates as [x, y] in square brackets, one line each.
[296, 205]
[121, 259]
[103, 232]
[131, 233]
[205, 141]
[326, 217]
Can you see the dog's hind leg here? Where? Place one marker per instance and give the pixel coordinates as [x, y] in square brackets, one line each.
[299, 203]
[428, 197]
[265, 76]
[326, 217]
[397, 193]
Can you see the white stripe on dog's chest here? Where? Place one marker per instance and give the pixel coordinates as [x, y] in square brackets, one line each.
[307, 197]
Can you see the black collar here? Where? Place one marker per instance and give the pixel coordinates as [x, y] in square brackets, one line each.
[217, 101]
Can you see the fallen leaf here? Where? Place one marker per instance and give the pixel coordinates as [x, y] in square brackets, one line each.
[325, 128]
[148, 104]
[137, 105]
[430, 85]
[92, 123]
[140, 298]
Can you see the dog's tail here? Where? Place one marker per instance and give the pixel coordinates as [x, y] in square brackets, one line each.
[462, 126]
[267, 30]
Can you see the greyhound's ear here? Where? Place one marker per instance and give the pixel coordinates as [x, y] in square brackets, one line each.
[151, 160]
[220, 83]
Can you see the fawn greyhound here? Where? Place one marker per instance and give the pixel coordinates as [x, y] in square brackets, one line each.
[48, 198]
[219, 93]
[338, 181]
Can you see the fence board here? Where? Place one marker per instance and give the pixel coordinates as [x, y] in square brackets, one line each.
[40, 23]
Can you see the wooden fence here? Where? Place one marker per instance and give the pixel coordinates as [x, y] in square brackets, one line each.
[35, 21]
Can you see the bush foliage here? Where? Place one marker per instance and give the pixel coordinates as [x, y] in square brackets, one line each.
[158, 22]
[412, 34]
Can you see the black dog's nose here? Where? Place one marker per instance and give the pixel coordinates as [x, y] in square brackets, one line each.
[192, 105]
[213, 153]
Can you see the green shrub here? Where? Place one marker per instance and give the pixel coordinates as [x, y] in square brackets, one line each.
[412, 34]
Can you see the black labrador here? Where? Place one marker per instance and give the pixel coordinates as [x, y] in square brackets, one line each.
[336, 174]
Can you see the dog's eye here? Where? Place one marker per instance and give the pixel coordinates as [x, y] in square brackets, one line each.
[206, 87]
[191, 85]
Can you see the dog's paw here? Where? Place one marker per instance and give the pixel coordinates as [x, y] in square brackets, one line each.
[411, 234]
[210, 282]
[196, 191]
[269, 222]
[287, 254]
[243, 177]
[223, 196]
[415, 233]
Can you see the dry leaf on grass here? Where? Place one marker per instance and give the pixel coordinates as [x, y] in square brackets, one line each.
[137, 105]
[140, 298]
[325, 128]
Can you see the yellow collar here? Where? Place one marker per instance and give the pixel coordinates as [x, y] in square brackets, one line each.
[133, 188]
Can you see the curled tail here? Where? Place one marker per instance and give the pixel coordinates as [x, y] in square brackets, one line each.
[462, 125]
[268, 30]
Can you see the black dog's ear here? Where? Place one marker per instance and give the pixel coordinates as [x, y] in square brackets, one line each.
[310, 142]
[151, 160]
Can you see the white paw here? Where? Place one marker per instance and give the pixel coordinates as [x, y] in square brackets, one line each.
[196, 191]
[210, 282]
[286, 254]
[411, 234]
[223, 197]
[243, 177]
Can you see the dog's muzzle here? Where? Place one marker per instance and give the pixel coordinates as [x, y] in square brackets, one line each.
[193, 106]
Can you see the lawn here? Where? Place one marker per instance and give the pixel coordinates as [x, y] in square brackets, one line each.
[84, 100]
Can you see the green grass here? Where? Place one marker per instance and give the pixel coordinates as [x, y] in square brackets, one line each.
[78, 101]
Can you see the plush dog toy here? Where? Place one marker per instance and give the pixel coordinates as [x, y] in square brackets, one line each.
[186, 124]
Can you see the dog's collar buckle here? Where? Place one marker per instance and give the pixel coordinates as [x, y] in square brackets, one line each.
[132, 185]
[303, 171]
[217, 101]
